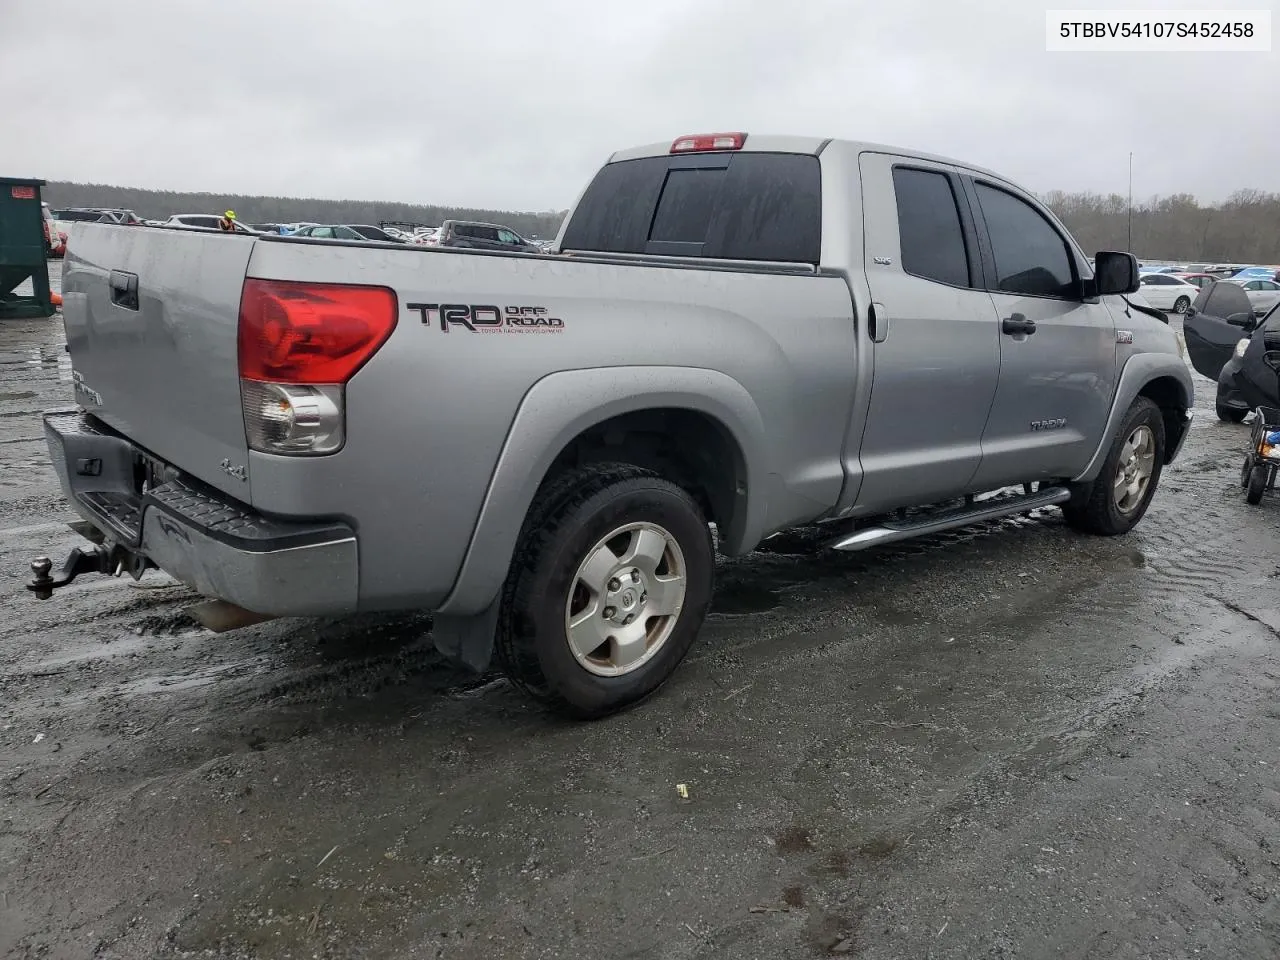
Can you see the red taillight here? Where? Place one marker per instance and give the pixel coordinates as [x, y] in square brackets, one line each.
[708, 141]
[311, 332]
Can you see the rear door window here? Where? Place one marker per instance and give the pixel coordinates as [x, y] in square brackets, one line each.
[734, 206]
[932, 238]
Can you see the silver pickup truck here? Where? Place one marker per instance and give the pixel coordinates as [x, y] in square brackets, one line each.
[745, 333]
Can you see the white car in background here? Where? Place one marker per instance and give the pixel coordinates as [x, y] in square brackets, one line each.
[1168, 293]
[204, 221]
[1263, 294]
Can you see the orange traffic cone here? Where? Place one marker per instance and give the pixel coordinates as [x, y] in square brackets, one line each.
[57, 299]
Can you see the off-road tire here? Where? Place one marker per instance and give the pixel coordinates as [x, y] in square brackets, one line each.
[569, 516]
[1229, 414]
[1092, 508]
[1257, 483]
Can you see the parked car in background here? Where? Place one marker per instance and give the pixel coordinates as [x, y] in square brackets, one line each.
[1166, 292]
[1197, 280]
[205, 221]
[1255, 273]
[370, 232]
[346, 231]
[1245, 381]
[66, 218]
[1263, 294]
[55, 240]
[1220, 316]
[483, 236]
[277, 228]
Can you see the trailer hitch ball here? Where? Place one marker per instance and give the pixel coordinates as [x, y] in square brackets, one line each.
[41, 582]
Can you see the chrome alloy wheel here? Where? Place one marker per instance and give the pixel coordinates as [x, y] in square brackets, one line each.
[625, 599]
[1133, 472]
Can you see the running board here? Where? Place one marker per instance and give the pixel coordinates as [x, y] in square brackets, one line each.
[892, 531]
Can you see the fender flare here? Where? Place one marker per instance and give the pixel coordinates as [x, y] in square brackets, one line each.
[557, 409]
[1138, 371]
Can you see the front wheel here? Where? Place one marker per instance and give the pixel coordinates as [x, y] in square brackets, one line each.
[1114, 502]
[1180, 305]
[608, 588]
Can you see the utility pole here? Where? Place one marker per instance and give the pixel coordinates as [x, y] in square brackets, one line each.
[1130, 246]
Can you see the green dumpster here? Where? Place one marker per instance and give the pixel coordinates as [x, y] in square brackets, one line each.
[23, 250]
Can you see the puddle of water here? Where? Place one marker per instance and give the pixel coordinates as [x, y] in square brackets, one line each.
[174, 682]
[99, 651]
[743, 599]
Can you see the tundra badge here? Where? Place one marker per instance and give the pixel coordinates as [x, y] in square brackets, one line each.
[1055, 424]
[236, 471]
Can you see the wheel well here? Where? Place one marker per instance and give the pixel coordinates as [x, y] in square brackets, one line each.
[691, 449]
[1166, 393]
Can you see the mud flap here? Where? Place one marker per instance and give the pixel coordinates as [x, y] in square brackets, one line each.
[467, 640]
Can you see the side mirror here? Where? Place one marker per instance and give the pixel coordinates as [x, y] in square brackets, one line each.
[1241, 320]
[1115, 273]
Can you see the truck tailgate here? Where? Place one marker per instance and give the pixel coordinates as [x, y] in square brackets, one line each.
[151, 320]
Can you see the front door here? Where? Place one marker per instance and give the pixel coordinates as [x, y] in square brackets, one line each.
[1057, 348]
[933, 335]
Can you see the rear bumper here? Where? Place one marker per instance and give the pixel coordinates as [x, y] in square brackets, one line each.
[210, 542]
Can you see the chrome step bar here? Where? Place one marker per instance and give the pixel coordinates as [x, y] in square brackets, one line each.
[893, 531]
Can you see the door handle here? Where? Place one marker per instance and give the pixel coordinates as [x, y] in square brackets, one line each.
[878, 321]
[1016, 324]
[124, 289]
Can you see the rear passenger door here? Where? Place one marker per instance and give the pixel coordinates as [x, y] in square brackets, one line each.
[1057, 347]
[933, 333]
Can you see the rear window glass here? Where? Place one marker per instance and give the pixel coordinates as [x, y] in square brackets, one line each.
[762, 206]
[688, 200]
[616, 212]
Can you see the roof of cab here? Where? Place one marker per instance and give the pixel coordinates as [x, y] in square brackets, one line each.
[774, 143]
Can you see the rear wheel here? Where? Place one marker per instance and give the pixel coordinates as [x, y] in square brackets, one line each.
[1257, 483]
[608, 588]
[1180, 305]
[1245, 471]
[1114, 502]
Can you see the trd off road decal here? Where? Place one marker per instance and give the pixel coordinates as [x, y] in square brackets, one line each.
[485, 318]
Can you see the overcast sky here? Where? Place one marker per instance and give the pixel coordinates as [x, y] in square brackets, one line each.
[512, 105]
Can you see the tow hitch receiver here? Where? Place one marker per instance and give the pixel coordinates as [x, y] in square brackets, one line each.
[112, 560]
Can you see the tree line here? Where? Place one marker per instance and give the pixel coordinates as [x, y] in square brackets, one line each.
[1245, 228]
[161, 204]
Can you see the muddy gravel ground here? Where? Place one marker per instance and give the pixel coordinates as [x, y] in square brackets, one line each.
[1010, 742]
